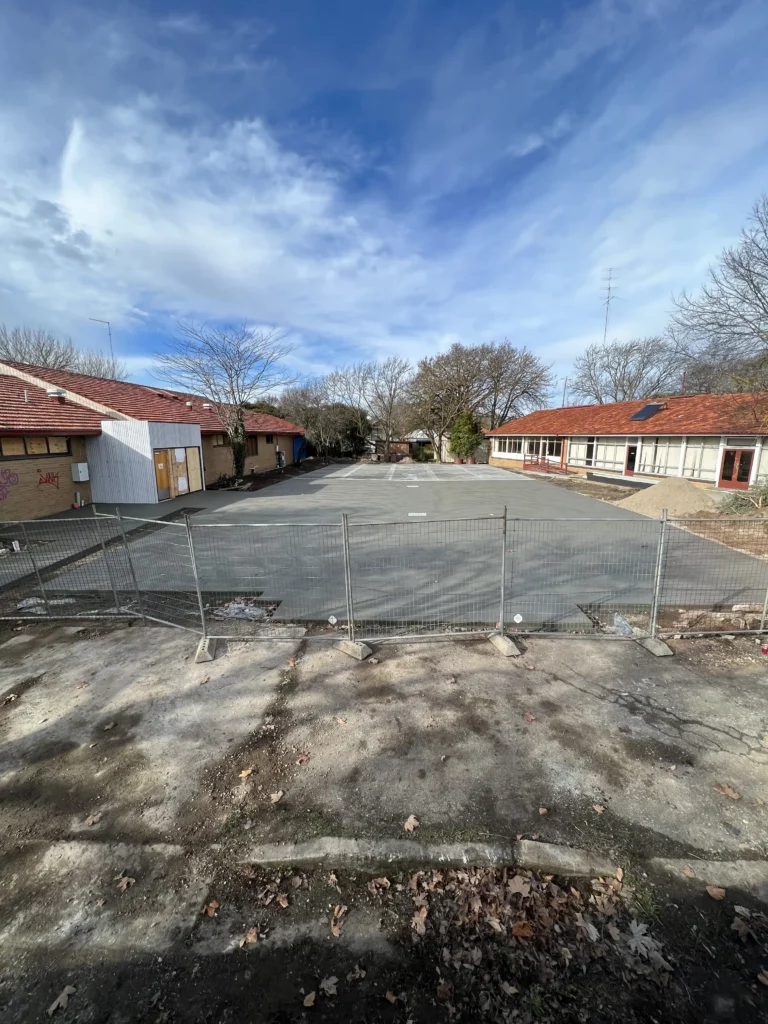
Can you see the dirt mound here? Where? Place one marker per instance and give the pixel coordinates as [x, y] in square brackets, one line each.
[678, 496]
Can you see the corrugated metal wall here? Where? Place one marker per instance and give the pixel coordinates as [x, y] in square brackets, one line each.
[174, 435]
[120, 463]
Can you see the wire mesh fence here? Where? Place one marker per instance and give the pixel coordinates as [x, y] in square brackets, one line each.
[383, 580]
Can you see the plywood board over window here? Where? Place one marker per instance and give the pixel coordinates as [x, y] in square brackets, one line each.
[36, 446]
[194, 471]
[12, 446]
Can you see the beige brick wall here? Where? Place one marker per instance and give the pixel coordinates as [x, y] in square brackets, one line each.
[218, 460]
[44, 484]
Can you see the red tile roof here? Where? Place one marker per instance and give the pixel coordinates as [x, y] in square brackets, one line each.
[157, 404]
[682, 414]
[41, 414]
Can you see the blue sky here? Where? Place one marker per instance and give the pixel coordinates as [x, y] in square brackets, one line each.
[374, 178]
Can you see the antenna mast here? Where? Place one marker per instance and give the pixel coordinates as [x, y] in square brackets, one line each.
[609, 297]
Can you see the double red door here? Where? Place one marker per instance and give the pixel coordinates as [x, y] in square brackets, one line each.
[736, 468]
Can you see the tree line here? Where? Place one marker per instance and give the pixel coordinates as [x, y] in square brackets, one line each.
[716, 341]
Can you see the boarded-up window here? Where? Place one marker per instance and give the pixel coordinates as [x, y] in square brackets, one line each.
[36, 445]
[12, 446]
[58, 445]
[252, 445]
[220, 440]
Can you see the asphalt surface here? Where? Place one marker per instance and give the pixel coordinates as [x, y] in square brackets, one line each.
[426, 548]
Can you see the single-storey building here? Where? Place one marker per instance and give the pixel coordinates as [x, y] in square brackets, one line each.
[719, 440]
[66, 438]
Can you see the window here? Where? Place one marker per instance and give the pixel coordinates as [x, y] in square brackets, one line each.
[590, 459]
[516, 445]
[220, 440]
[23, 447]
[252, 445]
[554, 447]
[532, 446]
[501, 444]
[269, 439]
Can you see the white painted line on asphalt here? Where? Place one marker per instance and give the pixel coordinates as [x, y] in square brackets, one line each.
[417, 513]
[392, 471]
[411, 485]
[355, 470]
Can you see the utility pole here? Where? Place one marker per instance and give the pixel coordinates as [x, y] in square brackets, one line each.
[565, 385]
[109, 329]
[609, 296]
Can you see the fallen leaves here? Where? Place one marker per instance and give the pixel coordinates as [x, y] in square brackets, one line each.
[419, 921]
[725, 790]
[529, 717]
[309, 1000]
[328, 985]
[341, 721]
[250, 938]
[246, 772]
[390, 997]
[9, 698]
[93, 819]
[303, 758]
[587, 928]
[61, 1000]
[688, 872]
[211, 908]
[763, 978]
[378, 885]
[338, 913]
[543, 811]
[740, 925]
[411, 824]
[598, 808]
[282, 900]
[275, 798]
[291, 663]
[519, 885]
[716, 892]
[522, 930]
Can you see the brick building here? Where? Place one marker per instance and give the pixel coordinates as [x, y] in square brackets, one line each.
[66, 437]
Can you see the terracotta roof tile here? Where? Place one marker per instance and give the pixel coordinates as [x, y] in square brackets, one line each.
[157, 404]
[682, 414]
[41, 414]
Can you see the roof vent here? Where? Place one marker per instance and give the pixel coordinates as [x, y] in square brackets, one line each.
[647, 411]
[56, 392]
[206, 405]
[188, 405]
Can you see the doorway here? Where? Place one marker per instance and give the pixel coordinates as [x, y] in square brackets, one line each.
[161, 474]
[629, 468]
[736, 468]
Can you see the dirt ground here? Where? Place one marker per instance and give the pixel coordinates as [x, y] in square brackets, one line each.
[175, 765]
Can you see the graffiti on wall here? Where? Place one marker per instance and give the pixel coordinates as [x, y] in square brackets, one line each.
[8, 479]
[52, 479]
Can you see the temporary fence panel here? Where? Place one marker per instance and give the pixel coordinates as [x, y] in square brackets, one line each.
[425, 578]
[577, 576]
[714, 576]
[271, 580]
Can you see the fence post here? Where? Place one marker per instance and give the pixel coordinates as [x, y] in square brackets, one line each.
[765, 611]
[194, 573]
[503, 594]
[136, 590]
[657, 576]
[99, 524]
[348, 577]
[34, 566]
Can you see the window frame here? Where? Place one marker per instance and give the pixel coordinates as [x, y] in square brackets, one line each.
[47, 454]
[269, 439]
[251, 446]
[224, 443]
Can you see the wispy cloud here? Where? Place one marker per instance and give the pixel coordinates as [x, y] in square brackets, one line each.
[524, 158]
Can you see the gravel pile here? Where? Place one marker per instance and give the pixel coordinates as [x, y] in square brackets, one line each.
[678, 496]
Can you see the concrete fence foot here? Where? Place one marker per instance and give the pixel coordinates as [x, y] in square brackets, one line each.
[206, 650]
[354, 649]
[655, 646]
[506, 647]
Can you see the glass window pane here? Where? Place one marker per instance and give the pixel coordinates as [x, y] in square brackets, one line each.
[745, 465]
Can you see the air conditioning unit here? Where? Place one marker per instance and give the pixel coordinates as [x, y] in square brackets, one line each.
[80, 473]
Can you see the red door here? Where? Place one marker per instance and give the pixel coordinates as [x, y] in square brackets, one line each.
[629, 468]
[736, 468]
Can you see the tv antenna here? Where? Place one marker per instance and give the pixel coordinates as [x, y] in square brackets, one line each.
[109, 329]
[609, 297]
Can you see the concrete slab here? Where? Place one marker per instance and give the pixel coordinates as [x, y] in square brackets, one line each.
[506, 647]
[354, 649]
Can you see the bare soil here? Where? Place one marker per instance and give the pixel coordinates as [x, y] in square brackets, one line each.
[592, 489]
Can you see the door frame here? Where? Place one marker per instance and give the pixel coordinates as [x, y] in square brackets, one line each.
[732, 484]
[162, 452]
[627, 470]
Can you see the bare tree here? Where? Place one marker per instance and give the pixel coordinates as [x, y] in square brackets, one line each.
[332, 427]
[386, 396]
[731, 310]
[622, 371]
[39, 347]
[232, 366]
[518, 382]
[350, 385]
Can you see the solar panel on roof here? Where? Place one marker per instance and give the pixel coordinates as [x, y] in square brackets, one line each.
[647, 411]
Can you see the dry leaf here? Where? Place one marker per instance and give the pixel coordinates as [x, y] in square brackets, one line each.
[9, 698]
[620, 874]
[110, 726]
[392, 998]
[493, 922]
[508, 989]
[124, 882]
[742, 911]
[275, 798]
[444, 991]
[725, 790]
[341, 721]
[61, 1000]
[282, 900]
[522, 930]
[310, 999]
[689, 872]
[598, 808]
[418, 921]
[296, 881]
[338, 912]
[529, 717]
[543, 810]
[246, 772]
[248, 871]
[716, 892]
[519, 885]
[302, 758]
[292, 663]
[93, 819]
[328, 985]
[443, 757]
[211, 908]
[357, 974]
[250, 938]
[377, 884]
[740, 925]
[204, 681]
[763, 977]
[411, 824]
